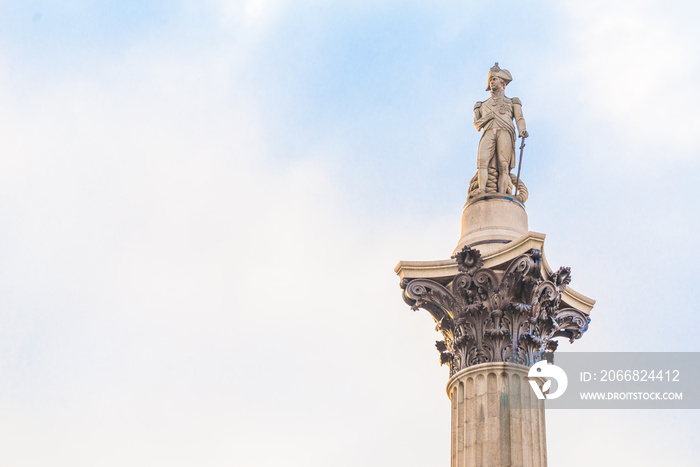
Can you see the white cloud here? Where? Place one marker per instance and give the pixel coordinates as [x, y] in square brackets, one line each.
[256, 16]
[580, 438]
[177, 296]
[175, 293]
[631, 68]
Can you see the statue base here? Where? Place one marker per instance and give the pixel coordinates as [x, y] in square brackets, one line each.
[491, 220]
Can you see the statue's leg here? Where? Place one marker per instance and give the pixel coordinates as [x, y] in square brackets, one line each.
[504, 153]
[487, 150]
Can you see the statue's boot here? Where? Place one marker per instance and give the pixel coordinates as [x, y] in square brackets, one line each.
[504, 182]
[483, 179]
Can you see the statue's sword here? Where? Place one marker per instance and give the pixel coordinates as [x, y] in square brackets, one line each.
[520, 164]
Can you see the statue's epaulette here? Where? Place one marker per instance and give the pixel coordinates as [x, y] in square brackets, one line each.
[477, 105]
[516, 101]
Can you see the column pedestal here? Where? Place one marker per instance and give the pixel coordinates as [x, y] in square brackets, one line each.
[490, 221]
[496, 419]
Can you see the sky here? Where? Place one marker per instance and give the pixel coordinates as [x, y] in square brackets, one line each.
[202, 205]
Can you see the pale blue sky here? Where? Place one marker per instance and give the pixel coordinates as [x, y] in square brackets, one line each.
[202, 203]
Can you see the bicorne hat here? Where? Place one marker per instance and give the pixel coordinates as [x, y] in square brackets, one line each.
[496, 71]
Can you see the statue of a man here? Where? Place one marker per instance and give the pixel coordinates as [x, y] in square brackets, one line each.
[495, 117]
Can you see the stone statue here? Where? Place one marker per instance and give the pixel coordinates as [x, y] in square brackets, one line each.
[496, 155]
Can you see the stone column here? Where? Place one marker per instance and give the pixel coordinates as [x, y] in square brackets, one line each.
[499, 306]
[498, 315]
[496, 421]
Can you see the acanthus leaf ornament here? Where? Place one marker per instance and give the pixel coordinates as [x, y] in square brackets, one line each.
[486, 315]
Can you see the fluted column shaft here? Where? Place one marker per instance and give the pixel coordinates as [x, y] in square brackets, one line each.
[496, 419]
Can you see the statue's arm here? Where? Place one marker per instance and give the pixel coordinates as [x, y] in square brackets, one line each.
[480, 121]
[519, 119]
